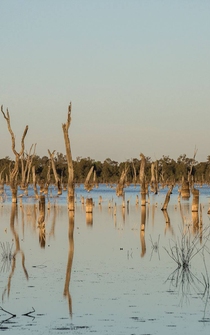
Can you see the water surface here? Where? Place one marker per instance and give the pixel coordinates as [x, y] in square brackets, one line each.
[105, 273]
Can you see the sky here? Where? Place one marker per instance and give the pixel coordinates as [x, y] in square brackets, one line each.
[137, 74]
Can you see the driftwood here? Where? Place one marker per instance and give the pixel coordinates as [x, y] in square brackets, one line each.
[14, 171]
[65, 127]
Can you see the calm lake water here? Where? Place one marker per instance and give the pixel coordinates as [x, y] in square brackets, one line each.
[105, 273]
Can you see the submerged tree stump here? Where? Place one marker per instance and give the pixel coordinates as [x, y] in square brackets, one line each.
[89, 205]
[185, 189]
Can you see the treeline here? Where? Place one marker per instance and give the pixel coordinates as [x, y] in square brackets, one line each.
[109, 171]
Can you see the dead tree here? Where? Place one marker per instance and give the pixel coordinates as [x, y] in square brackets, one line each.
[41, 221]
[154, 177]
[14, 171]
[65, 127]
[48, 178]
[142, 180]
[190, 176]
[121, 184]
[27, 168]
[34, 183]
[167, 199]
[186, 184]
[88, 185]
[57, 179]
[134, 172]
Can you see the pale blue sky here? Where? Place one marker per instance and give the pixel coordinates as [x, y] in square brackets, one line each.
[137, 73]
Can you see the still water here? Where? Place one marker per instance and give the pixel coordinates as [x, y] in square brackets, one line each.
[105, 273]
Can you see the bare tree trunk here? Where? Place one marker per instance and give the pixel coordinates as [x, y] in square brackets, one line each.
[154, 177]
[48, 179]
[31, 157]
[167, 199]
[57, 179]
[88, 185]
[120, 185]
[185, 189]
[134, 171]
[142, 180]
[14, 172]
[1, 183]
[34, 183]
[65, 127]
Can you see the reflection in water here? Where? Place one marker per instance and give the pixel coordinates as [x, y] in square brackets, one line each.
[52, 230]
[168, 226]
[89, 219]
[142, 230]
[16, 252]
[41, 221]
[185, 281]
[195, 222]
[66, 291]
[155, 247]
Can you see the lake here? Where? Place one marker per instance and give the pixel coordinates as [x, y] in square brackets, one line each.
[109, 272]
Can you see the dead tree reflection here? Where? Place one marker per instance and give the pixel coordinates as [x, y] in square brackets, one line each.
[142, 231]
[168, 226]
[66, 291]
[17, 251]
[41, 221]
